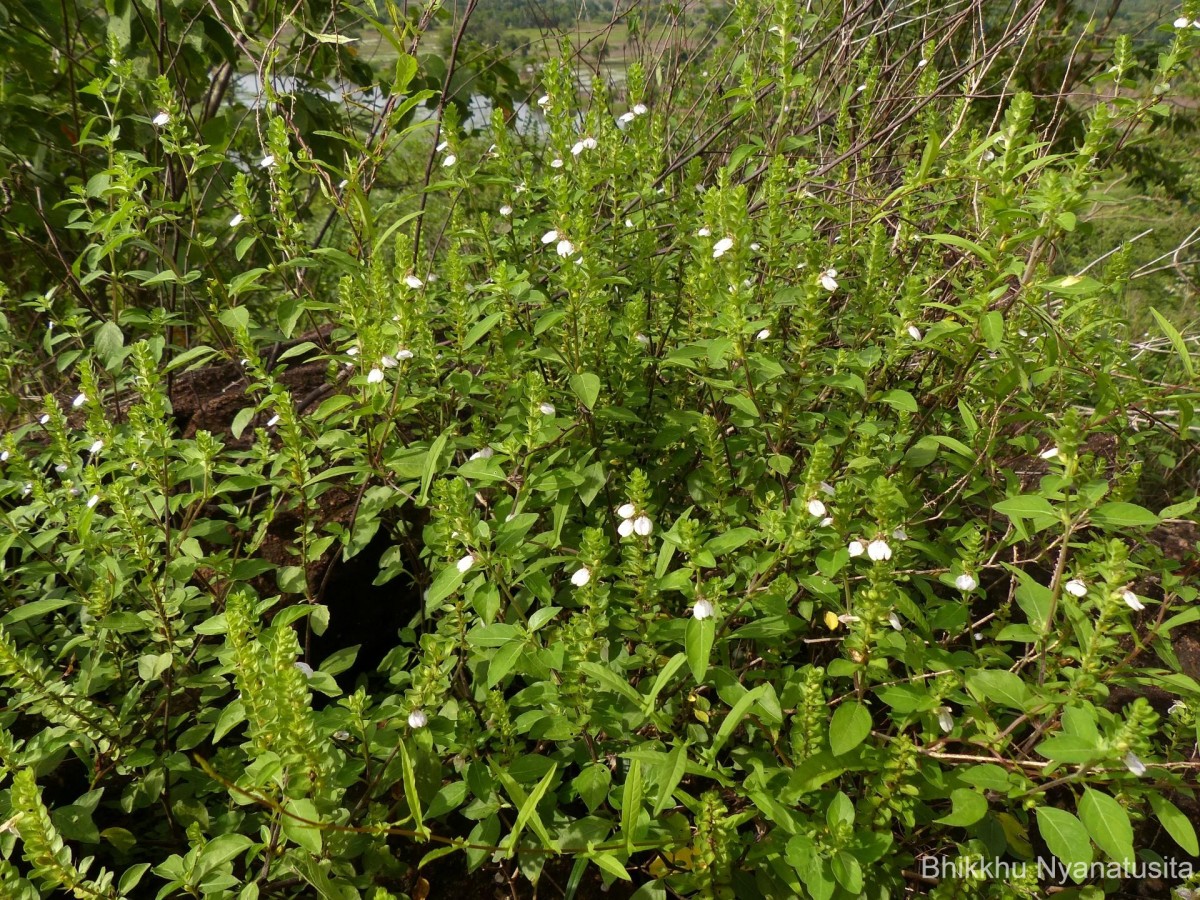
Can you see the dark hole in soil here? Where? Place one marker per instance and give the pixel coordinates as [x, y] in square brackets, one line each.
[364, 613]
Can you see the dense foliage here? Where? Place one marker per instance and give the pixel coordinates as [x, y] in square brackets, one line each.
[713, 487]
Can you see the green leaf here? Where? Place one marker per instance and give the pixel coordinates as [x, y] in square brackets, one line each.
[1177, 342]
[901, 400]
[1123, 515]
[631, 804]
[1026, 506]
[108, 343]
[999, 686]
[730, 540]
[592, 784]
[991, 327]
[1066, 838]
[586, 386]
[241, 420]
[849, 727]
[481, 328]
[1108, 824]
[697, 642]
[1175, 823]
[731, 721]
[673, 769]
[527, 814]
[303, 834]
[966, 808]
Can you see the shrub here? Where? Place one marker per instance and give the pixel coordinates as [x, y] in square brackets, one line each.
[747, 505]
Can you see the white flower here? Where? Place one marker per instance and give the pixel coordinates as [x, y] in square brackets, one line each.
[1076, 588]
[413, 282]
[721, 246]
[643, 526]
[273, 422]
[1134, 765]
[626, 118]
[1182, 22]
[442, 146]
[550, 237]
[914, 332]
[305, 668]
[629, 223]
[856, 548]
[79, 400]
[342, 735]
[922, 63]
[266, 162]
[827, 488]
[640, 109]
[546, 409]
[556, 163]
[1177, 705]
[162, 119]
[894, 621]
[704, 232]
[353, 351]
[816, 508]
[26, 489]
[628, 511]
[543, 101]
[966, 582]
[988, 156]
[945, 720]
[60, 468]
[484, 453]
[826, 522]
[899, 533]
[581, 576]
[449, 161]
[642, 339]
[93, 500]
[847, 619]
[625, 529]
[1049, 454]
[763, 335]
[565, 248]
[44, 419]
[236, 221]
[1132, 601]
[375, 376]
[96, 447]
[404, 353]
[342, 184]
[827, 280]
[389, 362]
[465, 563]
[417, 719]
[703, 609]
[4, 456]
[506, 210]
[588, 143]
[878, 550]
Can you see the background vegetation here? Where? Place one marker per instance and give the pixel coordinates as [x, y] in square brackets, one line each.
[684, 449]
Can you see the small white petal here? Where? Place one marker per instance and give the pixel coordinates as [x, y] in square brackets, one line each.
[827, 489]
[506, 210]
[389, 362]
[273, 421]
[1182, 22]
[466, 562]
[899, 534]
[404, 353]
[828, 282]
[1177, 706]
[856, 548]
[878, 550]
[721, 246]
[704, 232]
[626, 118]
[565, 248]
[1134, 765]
[546, 409]
[628, 511]
[1076, 588]
[643, 526]
[556, 163]
[914, 332]
[305, 668]
[550, 237]
[60, 468]
[625, 529]
[413, 282]
[353, 351]
[581, 576]
[826, 522]
[966, 582]
[543, 101]
[236, 221]
[847, 619]
[162, 119]
[266, 162]
[639, 109]
[1049, 454]
[945, 720]
[763, 335]
[96, 447]
[922, 63]
[79, 400]
[375, 376]
[485, 453]
[417, 719]
[642, 339]
[442, 146]
[93, 500]
[816, 508]
[4, 456]
[1132, 601]
[702, 609]
[894, 621]
[449, 161]
[45, 418]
